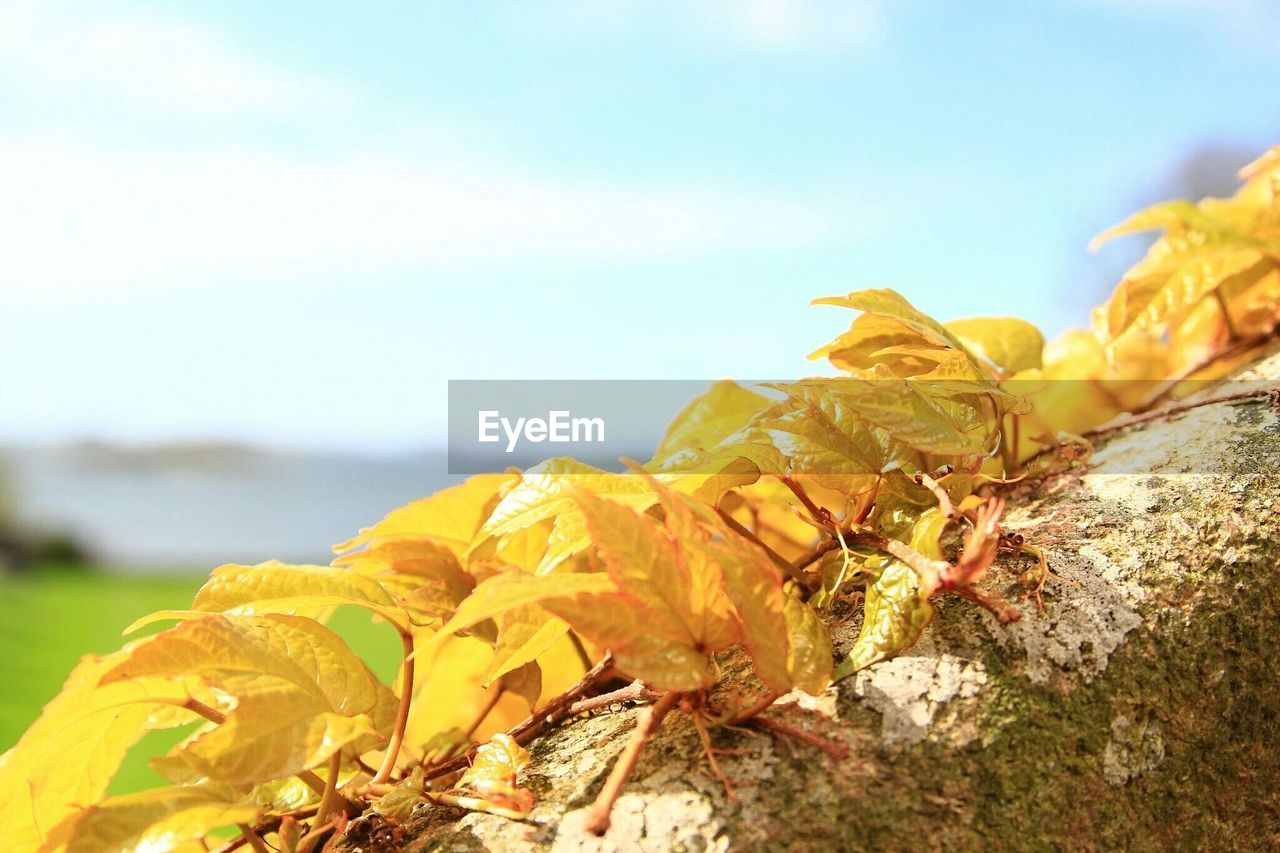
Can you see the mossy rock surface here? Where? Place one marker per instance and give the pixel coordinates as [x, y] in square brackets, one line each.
[1139, 710]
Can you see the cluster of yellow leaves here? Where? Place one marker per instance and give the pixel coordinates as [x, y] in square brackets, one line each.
[760, 509]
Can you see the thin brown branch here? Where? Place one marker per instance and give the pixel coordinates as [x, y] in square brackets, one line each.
[816, 553]
[580, 649]
[489, 705]
[1239, 347]
[1177, 409]
[648, 722]
[633, 692]
[555, 712]
[819, 515]
[252, 838]
[211, 714]
[939, 493]
[265, 826]
[836, 751]
[778, 560]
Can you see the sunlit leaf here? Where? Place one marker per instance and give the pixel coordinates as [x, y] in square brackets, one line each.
[450, 517]
[524, 633]
[66, 759]
[300, 692]
[491, 782]
[274, 587]
[1006, 344]
[159, 819]
[891, 305]
[709, 418]
[896, 613]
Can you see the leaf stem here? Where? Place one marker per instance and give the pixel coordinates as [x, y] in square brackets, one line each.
[489, 705]
[778, 560]
[252, 838]
[265, 825]
[581, 650]
[835, 751]
[329, 795]
[402, 713]
[816, 512]
[646, 724]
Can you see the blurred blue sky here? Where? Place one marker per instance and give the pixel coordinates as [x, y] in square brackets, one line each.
[292, 224]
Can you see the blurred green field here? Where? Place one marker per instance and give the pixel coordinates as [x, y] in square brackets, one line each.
[52, 616]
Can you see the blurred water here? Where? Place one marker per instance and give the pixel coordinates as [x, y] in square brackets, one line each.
[200, 507]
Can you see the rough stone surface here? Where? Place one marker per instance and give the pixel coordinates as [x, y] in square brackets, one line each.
[1140, 710]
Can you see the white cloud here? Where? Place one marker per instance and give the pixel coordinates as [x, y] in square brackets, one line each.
[79, 216]
[174, 66]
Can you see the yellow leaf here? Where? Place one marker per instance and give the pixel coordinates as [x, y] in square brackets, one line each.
[490, 783]
[641, 648]
[927, 532]
[709, 418]
[665, 571]
[1149, 300]
[274, 587]
[300, 692]
[756, 589]
[450, 517]
[902, 409]
[397, 804]
[159, 819]
[809, 654]
[1005, 344]
[510, 590]
[545, 492]
[275, 732]
[524, 681]
[524, 634]
[1171, 214]
[823, 435]
[667, 615]
[68, 756]
[896, 613]
[241, 654]
[868, 334]
[449, 696]
[891, 304]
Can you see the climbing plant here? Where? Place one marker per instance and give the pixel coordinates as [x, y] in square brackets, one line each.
[523, 599]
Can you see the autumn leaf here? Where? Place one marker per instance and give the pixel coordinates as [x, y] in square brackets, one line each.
[158, 819]
[897, 610]
[1006, 345]
[788, 644]
[668, 612]
[524, 634]
[300, 692]
[544, 492]
[67, 758]
[397, 804]
[710, 418]
[275, 587]
[490, 783]
[890, 305]
[450, 517]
